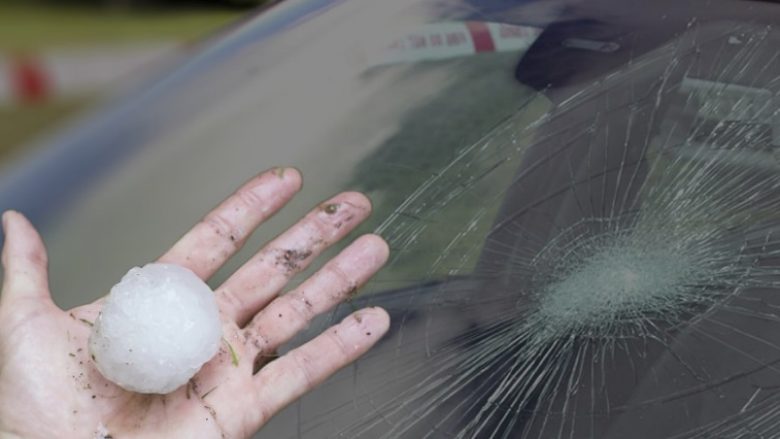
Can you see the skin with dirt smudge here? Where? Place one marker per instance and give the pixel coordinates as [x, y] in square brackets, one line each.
[50, 387]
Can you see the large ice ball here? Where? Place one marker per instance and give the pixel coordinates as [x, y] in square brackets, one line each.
[158, 326]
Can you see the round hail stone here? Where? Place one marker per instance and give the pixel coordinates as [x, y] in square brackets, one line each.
[158, 326]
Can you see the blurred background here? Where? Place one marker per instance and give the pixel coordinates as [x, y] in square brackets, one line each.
[60, 57]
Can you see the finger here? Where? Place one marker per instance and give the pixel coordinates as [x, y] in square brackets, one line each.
[24, 262]
[299, 371]
[332, 284]
[259, 280]
[225, 229]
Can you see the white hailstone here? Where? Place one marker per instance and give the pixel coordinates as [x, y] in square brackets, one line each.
[158, 326]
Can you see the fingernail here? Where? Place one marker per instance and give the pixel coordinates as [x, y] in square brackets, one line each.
[288, 173]
[372, 248]
[368, 323]
[5, 219]
[299, 174]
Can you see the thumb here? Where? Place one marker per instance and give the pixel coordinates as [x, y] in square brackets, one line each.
[24, 263]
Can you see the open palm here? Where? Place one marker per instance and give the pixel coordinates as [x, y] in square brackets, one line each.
[49, 386]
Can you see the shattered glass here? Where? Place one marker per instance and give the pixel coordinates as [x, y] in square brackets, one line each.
[603, 267]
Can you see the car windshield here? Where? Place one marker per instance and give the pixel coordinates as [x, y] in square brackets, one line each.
[582, 201]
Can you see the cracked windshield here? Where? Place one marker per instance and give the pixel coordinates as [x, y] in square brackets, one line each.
[581, 200]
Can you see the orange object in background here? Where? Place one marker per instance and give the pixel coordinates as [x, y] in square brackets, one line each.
[28, 79]
[31, 78]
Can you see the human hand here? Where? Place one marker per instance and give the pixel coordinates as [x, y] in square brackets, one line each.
[49, 386]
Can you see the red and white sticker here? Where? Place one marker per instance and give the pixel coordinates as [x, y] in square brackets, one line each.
[455, 39]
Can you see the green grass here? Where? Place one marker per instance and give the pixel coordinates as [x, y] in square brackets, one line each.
[32, 27]
[20, 124]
